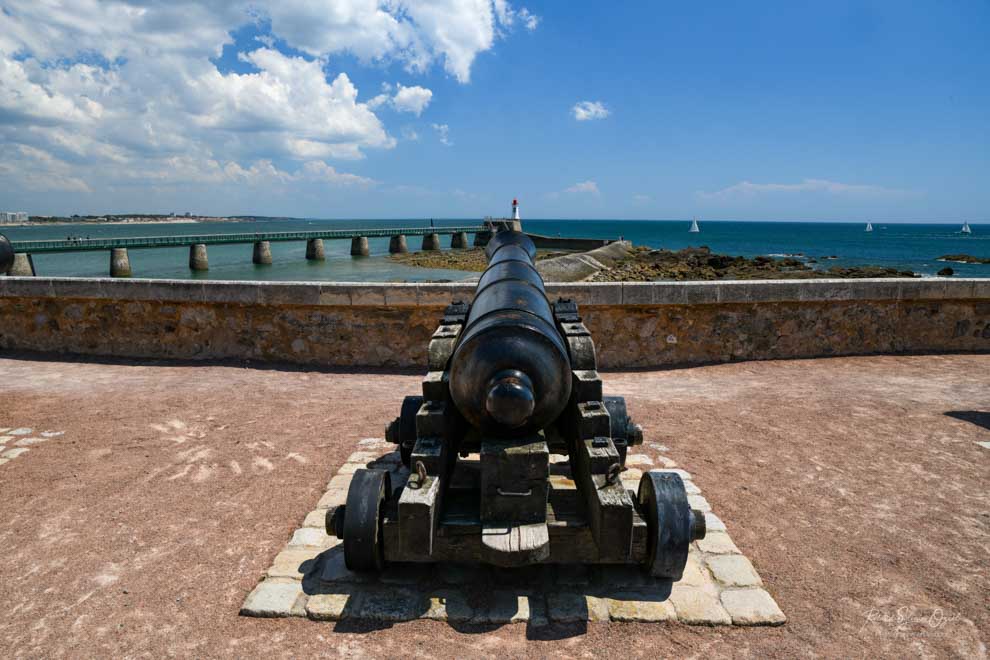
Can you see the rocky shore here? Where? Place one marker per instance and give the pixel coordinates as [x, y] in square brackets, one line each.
[643, 264]
[964, 259]
[471, 259]
[647, 265]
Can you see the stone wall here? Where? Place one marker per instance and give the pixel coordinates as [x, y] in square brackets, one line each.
[634, 324]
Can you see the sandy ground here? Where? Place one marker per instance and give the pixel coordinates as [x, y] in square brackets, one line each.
[855, 485]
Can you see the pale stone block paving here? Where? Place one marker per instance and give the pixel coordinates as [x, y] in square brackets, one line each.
[734, 571]
[752, 607]
[273, 598]
[634, 608]
[309, 577]
[718, 543]
[316, 518]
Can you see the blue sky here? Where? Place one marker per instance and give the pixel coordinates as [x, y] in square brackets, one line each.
[790, 111]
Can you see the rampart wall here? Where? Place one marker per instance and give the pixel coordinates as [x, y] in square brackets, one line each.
[389, 325]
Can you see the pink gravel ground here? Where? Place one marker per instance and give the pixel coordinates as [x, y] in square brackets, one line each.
[856, 485]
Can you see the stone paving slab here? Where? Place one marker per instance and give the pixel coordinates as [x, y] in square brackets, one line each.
[309, 579]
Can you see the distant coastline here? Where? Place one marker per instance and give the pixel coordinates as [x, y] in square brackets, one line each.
[136, 219]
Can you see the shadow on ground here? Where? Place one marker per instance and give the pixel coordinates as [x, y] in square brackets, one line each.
[971, 416]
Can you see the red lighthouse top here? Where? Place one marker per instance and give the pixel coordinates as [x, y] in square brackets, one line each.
[515, 202]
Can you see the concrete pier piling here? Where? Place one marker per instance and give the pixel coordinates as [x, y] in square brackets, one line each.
[262, 253]
[481, 238]
[431, 241]
[314, 249]
[359, 246]
[120, 263]
[23, 266]
[198, 259]
[397, 244]
[459, 240]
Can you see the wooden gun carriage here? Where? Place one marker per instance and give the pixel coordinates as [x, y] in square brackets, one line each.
[513, 380]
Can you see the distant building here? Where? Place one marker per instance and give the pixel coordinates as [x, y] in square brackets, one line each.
[11, 217]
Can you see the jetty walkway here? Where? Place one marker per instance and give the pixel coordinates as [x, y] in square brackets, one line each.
[262, 254]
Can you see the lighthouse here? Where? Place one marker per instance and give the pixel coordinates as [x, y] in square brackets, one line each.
[516, 223]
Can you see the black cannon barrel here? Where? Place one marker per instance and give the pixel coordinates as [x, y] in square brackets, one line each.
[510, 373]
[6, 255]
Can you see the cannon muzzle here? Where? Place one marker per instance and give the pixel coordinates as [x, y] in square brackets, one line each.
[510, 373]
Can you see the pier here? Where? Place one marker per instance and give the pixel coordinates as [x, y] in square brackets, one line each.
[261, 242]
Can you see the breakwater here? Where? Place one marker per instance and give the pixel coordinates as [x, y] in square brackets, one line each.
[345, 324]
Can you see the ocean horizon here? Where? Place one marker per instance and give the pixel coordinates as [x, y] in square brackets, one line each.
[913, 246]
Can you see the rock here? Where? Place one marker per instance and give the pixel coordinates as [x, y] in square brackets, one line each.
[314, 537]
[449, 606]
[698, 606]
[701, 264]
[505, 607]
[713, 523]
[637, 610]
[946, 272]
[718, 543]
[335, 571]
[317, 519]
[390, 605]
[564, 607]
[698, 502]
[275, 599]
[327, 607]
[752, 607]
[734, 571]
[295, 563]
[964, 259]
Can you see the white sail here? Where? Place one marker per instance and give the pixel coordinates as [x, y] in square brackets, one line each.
[694, 227]
[869, 226]
[965, 228]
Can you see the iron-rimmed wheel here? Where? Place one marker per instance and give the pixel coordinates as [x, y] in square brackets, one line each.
[671, 522]
[363, 547]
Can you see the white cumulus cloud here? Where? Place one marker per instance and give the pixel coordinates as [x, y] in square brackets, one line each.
[412, 99]
[588, 110]
[747, 189]
[97, 92]
[443, 133]
[414, 32]
[588, 187]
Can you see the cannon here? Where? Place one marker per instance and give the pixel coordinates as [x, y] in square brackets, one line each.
[6, 255]
[512, 381]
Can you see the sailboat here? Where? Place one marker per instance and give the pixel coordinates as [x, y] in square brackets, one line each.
[694, 227]
[869, 226]
[965, 229]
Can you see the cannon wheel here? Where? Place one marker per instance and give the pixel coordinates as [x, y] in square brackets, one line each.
[407, 427]
[664, 506]
[363, 547]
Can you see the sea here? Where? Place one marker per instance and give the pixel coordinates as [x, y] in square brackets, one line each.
[914, 247]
